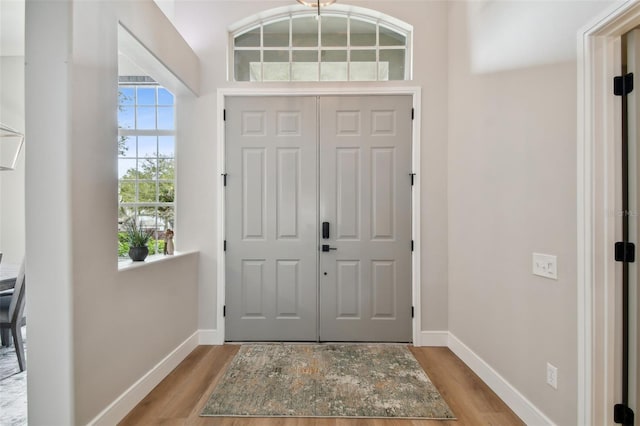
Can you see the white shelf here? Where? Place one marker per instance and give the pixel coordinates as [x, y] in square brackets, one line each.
[125, 265]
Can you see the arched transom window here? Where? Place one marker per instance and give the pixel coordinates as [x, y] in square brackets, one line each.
[338, 46]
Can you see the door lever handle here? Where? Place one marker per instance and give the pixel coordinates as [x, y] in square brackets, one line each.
[325, 247]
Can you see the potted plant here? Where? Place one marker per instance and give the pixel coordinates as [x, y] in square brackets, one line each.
[138, 239]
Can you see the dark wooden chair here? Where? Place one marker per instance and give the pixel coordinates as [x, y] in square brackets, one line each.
[12, 317]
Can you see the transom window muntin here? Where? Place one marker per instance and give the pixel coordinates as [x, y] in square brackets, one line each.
[336, 47]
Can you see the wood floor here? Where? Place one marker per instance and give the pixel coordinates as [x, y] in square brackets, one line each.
[178, 399]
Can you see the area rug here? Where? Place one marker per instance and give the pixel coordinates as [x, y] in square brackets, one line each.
[372, 381]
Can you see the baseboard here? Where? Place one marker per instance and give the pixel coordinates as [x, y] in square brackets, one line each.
[119, 408]
[211, 337]
[528, 412]
[433, 338]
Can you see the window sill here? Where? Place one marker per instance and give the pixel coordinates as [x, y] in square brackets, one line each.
[127, 264]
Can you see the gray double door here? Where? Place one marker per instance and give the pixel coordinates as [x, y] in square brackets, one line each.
[318, 218]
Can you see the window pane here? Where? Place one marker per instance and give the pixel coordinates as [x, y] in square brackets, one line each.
[165, 97]
[147, 192]
[363, 65]
[276, 71]
[276, 34]
[334, 56]
[147, 217]
[147, 146]
[126, 146]
[126, 169]
[248, 39]
[334, 31]
[243, 60]
[305, 56]
[305, 65]
[276, 56]
[305, 32]
[276, 66]
[126, 96]
[166, 146]
[147, 168]
[146, 96]
[166, 168]
[166, 217]
[166, 192]
[125, 214]
[334, 65]
[166, 118]
[255, 71]
[146, 118]
[391, 38]
[304, 71]
[395, 58]
[333, 71]
[127, 191]
[383, 71]
[126, 117]
[362, 33]
[363, 56]
[363, 71]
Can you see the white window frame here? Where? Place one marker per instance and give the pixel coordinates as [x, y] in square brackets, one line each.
[347, 12]
[154, 133]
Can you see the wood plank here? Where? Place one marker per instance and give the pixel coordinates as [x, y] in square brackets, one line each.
[179, 398]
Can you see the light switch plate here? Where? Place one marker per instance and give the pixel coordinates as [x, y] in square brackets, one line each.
[545, 265]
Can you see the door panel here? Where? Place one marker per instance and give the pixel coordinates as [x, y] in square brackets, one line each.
[365, 195]
[271, 219]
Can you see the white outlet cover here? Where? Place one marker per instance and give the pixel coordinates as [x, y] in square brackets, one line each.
[545, 265]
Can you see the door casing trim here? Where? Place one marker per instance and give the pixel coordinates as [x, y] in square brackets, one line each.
[415, 92]
[599, 60]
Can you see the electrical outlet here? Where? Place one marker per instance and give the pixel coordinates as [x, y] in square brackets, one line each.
[552, 376]
[545, 265]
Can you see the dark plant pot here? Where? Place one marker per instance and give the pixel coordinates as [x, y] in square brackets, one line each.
[138, 254]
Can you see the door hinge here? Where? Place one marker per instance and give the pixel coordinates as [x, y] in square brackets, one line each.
[412, 312]
[622, 414]
[224, 114]
[413, 113]
[411, 245]
[625, 252]
[224, 179]
[224, 245]
[623, 84]
[224, 310]
[412, 176]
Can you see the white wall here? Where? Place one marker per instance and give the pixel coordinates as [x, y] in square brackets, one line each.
[12, 238]
[512, 192]
[205, 27]
[93, 330]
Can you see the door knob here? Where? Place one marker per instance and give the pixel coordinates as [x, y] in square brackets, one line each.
[325, 247]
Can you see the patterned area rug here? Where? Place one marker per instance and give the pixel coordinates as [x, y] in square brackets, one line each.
[326, 381]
